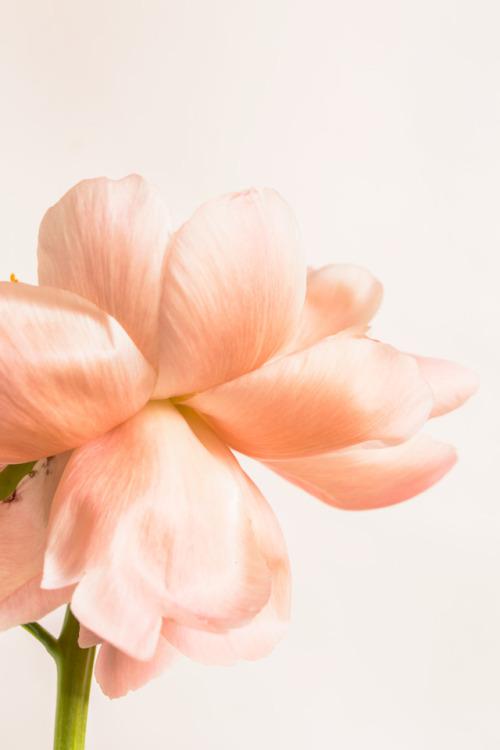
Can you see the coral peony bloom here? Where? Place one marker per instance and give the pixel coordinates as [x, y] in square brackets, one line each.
[142, 358]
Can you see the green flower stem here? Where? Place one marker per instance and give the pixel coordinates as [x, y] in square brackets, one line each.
[74, 675]
[44, 637]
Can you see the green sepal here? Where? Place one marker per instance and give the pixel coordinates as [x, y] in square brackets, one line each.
[11, 476]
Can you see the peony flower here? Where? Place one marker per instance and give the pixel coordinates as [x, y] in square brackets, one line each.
[142, 358]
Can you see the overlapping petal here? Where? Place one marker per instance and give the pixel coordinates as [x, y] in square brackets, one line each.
[105, 240]
[451, 384]
[23, 523]
[370, 476]
[338, 296]
[344, 390]
[153, 520]
[118, 673]
[259, 637]
[233, 288]
[68, 372]
[30, 602]
[86, 638]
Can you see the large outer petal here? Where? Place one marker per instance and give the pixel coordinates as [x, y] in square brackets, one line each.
[23, 524]
[105, 240]
[367, 477]
[118, 673]
[338, 296]
[233, 289]
[153, 520]
[68, 372]
[345, 390]
[451, 384]
[259, 637]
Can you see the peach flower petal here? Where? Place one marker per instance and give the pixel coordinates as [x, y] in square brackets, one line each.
[233, 289]
[366, 477]
[344, 390]
[118, 673]
[105, 240]
[259, 637]
[338, 296]
[69, 372]
[87, 638]
[451, 384]
[23, 523]
[30, 602]
[152, 519]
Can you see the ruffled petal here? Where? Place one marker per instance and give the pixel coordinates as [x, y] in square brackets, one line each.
[118, 673]
[105, 240]
[23, 524]
[69, 372]
[344, 390]
[451, 384]
[338, 296]
[261, 635]
[233, 289]
[152, 519]
[367, 477]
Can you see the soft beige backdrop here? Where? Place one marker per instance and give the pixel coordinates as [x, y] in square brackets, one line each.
[379, 122]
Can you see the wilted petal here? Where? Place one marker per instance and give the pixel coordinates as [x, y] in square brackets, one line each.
[260, 636]
[451, 384]
[118, 673]
[368, 477]
[69, 372]
[344, 390]
[233, 289]
[338, 296]
[105, 240]
[154, 521]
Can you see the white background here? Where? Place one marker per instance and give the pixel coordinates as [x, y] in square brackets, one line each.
[379, 122]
